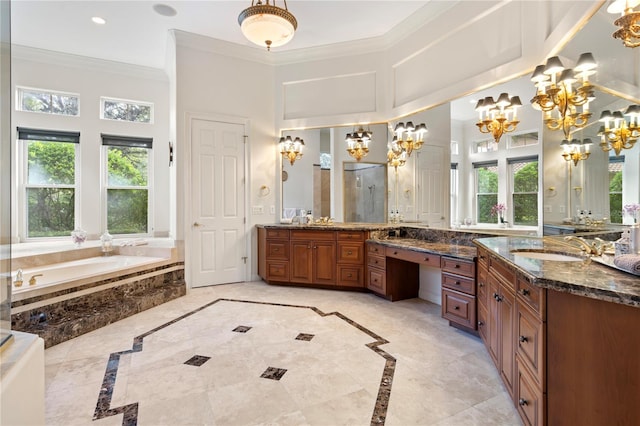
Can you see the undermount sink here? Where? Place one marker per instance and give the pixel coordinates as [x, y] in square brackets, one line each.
[543, 255]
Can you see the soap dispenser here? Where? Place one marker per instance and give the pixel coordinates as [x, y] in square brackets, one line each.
[623, 245]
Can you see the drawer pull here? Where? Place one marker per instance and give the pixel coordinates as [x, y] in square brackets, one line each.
[349, 252]
[426, 259]
[522, 402]
[524, 292]
[455, 308]
[524, 339]
[395, 253]
[349, 275]
[457, 266]
[276, 249]
[457, 282]
[482, 257]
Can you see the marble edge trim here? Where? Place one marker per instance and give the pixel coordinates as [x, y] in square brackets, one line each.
[130, 411]
[461, 255]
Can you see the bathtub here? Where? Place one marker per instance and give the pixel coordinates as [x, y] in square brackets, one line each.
[58, 274]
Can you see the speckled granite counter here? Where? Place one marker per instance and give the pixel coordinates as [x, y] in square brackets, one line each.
[588, 279]
[338, 226]
[441, 248]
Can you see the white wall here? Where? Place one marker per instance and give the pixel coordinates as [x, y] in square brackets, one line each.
[91, 79]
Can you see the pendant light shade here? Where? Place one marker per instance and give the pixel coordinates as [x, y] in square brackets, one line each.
[267, 25]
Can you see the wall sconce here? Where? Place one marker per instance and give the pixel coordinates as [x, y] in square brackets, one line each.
[291, 148]
[617, 133]
[629, 22]
[358, 143]
[555, 92]
[576, 150]
[498, 117]
[409, 137]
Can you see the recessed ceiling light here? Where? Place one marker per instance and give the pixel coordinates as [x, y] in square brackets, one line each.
[164, 10]
[98, 20]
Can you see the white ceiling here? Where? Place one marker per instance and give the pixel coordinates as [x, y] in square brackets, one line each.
[136, 34]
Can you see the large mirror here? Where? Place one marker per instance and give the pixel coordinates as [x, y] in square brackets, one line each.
[460, 173]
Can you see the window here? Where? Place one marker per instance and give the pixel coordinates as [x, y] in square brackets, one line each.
[50, 182]
[524, 184]
[127, 183]
[455, 148]
[488, 145]
[48, 102]
[486, 190]
[123, 110]
[523, 139]
[616, 165]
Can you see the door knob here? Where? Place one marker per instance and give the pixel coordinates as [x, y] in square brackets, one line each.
[196, 224]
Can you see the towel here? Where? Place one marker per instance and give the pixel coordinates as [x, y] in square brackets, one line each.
[628, 262]
[288, 213]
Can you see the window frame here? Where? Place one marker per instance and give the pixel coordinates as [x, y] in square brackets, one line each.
[480, 165]
[114, 141]
[512, 205]
[24, 186]
[19, 96]
[616, 159]
[151, 105]
[524, 132]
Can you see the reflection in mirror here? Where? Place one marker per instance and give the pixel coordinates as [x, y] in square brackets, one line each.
[316, 182]
[365, 195]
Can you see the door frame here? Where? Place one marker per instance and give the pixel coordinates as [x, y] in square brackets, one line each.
[188, 185]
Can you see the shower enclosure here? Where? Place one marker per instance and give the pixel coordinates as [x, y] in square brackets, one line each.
[365, 192]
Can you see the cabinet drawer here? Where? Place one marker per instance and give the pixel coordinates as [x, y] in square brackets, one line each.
[459, 283]
[483, 288]
[530, 341]
[459, 266]
[376, 261]
[375, 249]
[350, 253]
[459, 308]
[529, 399]
[351, 276]
[532, 295]
[414, 256]
[350, 235]
[278, 233]
[313, 235]
[277, 271]
[277, 250]
[376, 281]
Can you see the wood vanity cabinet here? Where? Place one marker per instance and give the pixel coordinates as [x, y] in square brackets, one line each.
[313, 257]
[376, 269]
[350, 266]
[459, 292]
[273, 254]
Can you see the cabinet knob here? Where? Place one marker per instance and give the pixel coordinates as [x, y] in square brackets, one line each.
[395, 252]
[457, 266]
[426, 259]
[308, 247]
[455, 308]
[524, 292]
[349, 275]
[480, 323]
[315, 247]
[524, 339]
[276, 249]
[495, 296]
[349, 252]
[457, 282]
[482, 257]
[522, 402]
[480, 284]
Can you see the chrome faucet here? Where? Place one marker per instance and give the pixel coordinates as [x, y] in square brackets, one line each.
[589, 249]
[32, 280]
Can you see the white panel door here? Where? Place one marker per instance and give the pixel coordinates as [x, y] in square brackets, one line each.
[218, 243]
[432, 177]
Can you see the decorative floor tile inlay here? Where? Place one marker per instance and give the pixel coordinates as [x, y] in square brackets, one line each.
[304, 336]
[197, 360]
[273, 373]
[130, 410]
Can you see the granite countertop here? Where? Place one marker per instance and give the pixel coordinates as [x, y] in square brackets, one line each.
[337, 226]
[441, 248]
[583, 278]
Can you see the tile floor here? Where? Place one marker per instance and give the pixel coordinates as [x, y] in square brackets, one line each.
[297, 357]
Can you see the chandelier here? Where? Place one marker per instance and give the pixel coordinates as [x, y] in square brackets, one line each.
[576, 150]
[618, 134]
[358, 143]
[291, 149]
[498, 117]
[629, 22]
[557, 97]
[267, 24]
[408, 137]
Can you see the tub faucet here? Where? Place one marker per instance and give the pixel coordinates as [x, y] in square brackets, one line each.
[589, 249]
[18, 281]
[32, 280]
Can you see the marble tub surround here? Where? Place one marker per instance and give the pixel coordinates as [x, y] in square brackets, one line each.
[68, 313]
[583, 278]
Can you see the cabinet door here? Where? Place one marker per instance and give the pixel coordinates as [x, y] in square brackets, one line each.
[492, 319]
[324, 262]
[507, 318]
[301, 262]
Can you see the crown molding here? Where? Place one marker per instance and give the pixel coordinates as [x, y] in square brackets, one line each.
[33, 54]
[222, 47]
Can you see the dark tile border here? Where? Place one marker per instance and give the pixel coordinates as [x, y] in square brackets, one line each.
[104, 409]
